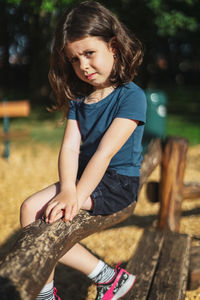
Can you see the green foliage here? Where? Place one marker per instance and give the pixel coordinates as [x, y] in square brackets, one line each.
[170, 22]
[171, 18]
[50, 5]
[44, 6]
[47, 5]
[15, 2]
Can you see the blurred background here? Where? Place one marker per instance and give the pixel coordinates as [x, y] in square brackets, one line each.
[169, 31]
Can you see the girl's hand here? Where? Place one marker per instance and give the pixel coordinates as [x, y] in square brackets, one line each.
[63, 205]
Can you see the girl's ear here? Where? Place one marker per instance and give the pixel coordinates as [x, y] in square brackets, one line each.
[113, 45]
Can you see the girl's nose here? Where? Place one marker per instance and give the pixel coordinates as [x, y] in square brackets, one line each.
[84, 64]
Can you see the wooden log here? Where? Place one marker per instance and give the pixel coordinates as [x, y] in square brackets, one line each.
[194, 268]
[151, 160]
[170, 279]
[171, 184]
[191, 190]
[19, 108]
[144, 263]
[27, 266]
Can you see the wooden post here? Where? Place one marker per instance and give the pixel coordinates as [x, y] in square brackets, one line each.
[171, 184]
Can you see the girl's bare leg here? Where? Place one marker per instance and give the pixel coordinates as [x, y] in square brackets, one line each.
[33, 208]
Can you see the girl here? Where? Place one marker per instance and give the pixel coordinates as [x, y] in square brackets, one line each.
[93, 61]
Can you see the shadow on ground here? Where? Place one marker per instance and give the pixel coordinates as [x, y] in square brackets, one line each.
[71, 284]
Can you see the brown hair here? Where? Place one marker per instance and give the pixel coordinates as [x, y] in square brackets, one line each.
[90, 18]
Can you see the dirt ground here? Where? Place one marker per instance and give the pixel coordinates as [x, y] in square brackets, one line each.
[32, 167]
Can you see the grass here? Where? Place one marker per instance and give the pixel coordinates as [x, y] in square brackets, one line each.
[180, 126]
[42, 126]
[183, 104]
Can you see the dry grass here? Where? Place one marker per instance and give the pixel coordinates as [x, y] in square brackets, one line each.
[32, 167]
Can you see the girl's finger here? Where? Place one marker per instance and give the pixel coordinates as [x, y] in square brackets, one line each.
[50, 206]
[68, 212]
[54, 211]
[74, 212]
[58, 216]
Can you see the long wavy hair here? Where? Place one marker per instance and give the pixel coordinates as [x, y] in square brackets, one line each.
[90, 18]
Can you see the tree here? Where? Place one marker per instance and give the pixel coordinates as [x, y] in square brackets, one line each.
[153, 21]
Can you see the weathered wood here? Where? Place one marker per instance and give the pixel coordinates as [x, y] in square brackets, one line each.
[191, 190]
[144, 263]
[27, 266]
[151, 160]
[194, 268]
[170, 279]
[19, 108]
[171, 184]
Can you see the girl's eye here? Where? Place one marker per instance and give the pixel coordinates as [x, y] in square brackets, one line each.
[89, 53]
[73, 60]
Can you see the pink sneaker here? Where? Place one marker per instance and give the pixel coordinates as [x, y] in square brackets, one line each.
[56, 297]
[116, 287]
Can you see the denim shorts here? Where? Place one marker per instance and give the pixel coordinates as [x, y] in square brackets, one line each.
[114, 192]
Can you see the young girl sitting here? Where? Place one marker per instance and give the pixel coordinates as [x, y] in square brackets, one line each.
[94, 59]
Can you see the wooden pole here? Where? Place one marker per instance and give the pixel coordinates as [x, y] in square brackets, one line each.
[171, 185]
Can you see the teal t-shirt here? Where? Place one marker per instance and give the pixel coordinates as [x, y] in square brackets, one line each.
[127, 101]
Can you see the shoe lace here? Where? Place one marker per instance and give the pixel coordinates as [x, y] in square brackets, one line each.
[56, 297]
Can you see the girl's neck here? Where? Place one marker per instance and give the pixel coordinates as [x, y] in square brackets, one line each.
[98, 94]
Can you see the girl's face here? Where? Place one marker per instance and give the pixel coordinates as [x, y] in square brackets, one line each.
[92, 60]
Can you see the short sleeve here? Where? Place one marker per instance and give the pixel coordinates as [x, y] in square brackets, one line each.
[72, 110]
[133, 105]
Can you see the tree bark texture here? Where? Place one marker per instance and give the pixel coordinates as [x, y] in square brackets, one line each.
[29, 263]
[171, 184]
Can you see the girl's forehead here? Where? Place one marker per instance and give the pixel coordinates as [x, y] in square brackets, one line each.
[84, 44]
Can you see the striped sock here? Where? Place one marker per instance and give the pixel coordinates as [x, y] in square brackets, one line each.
[46, 293]
[102, 273]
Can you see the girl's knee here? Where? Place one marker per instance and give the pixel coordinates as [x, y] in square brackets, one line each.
[34, 206]
[26, 206]
[28, 212]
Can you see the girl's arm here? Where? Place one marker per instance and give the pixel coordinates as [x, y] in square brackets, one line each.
[114, 138]
[65, 203]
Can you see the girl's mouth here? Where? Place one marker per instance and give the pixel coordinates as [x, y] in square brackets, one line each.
[90, 76]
